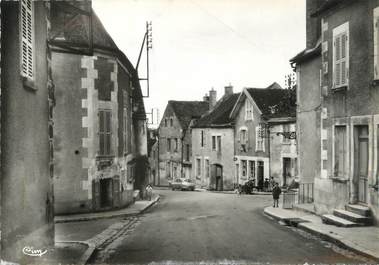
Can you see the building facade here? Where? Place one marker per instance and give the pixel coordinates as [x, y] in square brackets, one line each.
[174, 140]
[27, 101]
[348, 122]
[101, 140]
[261, 151]
[213, 145]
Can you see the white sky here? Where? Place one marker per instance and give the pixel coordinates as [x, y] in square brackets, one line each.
[200, 44]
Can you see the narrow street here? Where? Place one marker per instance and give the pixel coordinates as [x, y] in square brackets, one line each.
[205, 226]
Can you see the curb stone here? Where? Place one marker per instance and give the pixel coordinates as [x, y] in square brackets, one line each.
[92, 247]
[338, 240]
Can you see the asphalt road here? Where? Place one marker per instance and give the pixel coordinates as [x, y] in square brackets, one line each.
[216, 227]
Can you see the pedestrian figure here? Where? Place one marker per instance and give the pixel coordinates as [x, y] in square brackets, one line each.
[239, 189]
[266, 183]
[272, 183]
[149, 191]
[276, 191]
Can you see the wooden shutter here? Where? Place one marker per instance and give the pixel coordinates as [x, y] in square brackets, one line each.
[344, 46]
[101, 132]
[337, 72]
[341, 53]
[108, 135]
[376, 48]
[27, 32]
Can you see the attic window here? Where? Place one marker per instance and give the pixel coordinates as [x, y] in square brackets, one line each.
[171, 122]
[273, 109]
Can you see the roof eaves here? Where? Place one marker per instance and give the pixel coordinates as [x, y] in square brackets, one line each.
[307, 54]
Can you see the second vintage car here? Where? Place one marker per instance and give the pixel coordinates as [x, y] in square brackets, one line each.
[182, 184]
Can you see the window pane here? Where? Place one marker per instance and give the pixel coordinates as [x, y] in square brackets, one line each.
[340, 151]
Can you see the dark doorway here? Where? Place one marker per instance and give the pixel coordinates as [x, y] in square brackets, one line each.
[361, 163]
[286, 169]
[219, 180]
[260, 174]
[106, 189]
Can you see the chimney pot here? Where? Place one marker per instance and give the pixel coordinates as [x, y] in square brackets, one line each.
[212, 98]
[228, 90]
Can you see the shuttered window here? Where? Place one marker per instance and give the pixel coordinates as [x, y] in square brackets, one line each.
[341, 55]
[125, 131]
[376, 43]
[340, 152]
[27, 35]
[105, 132]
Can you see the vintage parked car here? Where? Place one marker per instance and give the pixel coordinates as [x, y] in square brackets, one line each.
[182, 184]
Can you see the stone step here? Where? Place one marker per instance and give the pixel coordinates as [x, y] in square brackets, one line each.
[358, 209]
[337, 221]
[353, 217]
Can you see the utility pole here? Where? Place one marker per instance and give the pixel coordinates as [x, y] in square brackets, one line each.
[148, 40]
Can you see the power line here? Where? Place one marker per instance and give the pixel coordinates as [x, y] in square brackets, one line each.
[241, 36]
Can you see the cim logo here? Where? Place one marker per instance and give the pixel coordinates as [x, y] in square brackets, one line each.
[30, 251]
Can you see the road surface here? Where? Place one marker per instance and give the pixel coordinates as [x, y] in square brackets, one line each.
[217, 227]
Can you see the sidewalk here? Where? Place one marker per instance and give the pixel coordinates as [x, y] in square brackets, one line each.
[76, 240]
[135, 208]
[362, 240]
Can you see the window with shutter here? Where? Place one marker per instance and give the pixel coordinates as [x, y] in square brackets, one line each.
[340, 151]
[125, 131]
[105, 132]
[341, 55]
[27, 38]
[376, 43]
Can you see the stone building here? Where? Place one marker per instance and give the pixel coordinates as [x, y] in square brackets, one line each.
[100, 122]
[260, 117]
[213, 145]
[174, 140]
[348, 117]
[27, 100]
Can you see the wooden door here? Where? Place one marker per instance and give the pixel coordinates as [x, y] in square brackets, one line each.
[361, 149]
[95, 194]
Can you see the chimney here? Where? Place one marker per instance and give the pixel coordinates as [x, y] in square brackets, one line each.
[313, 24]
[212, 98]
[228, 90]
[206, 98]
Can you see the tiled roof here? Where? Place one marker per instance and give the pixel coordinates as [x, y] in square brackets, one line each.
[327, 4]
[70, 29]
[74, 30]
[308, 53]
[219, 116]
[274, 102]
[185, 111]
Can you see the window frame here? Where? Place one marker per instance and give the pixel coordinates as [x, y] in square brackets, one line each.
[336, 152]
[107, 134]
[243, 138]
[248, 110]
[338, 32]
[259, 141]
[125, 129]
[286, 129]
[376, 42]
[29, 54]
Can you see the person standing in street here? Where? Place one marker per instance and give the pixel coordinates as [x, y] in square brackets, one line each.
[276, 191]
[149, 192]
